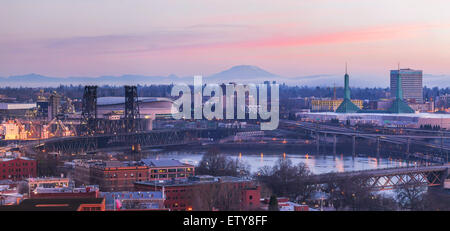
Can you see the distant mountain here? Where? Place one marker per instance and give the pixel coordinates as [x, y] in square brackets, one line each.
[330, 80]
[31, 78]
[242, 74]
[34, 80]
[436, 80]
[238, 74]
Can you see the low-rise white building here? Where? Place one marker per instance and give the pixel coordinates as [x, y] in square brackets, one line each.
[414, 120]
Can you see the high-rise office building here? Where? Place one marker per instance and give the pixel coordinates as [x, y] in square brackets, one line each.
[411, 81]
[54, 105]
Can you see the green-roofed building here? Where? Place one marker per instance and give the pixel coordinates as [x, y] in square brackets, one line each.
[347, 106]
[398, 105]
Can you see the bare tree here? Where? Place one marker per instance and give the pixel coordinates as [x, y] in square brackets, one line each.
[22, 187]
[273, 203]
[286, 179]
[215, 164]
[436, 201]
[219, 195]
[410, 196]
[303, 189]
[331, 187]
[355, 193]
[203, 197]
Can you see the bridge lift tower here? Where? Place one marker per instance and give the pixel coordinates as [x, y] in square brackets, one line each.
[89, 110]
[132, 116]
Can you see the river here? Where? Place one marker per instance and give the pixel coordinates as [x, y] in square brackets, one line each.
[316, 163]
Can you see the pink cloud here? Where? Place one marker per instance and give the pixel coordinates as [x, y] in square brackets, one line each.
[352, 36]
[340, 37]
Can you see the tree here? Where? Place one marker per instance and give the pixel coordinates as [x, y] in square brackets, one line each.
[303, 189]
[355, 193]
[215, 164]
[46, 164]
[436, 201]
[22, 187]
[331, 187]
[286, 179]
[219, 195]
[273, 203]
[410, 196]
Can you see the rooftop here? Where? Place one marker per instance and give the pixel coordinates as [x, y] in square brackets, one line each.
[163, 163]
[9, 159]
[113, 100]
[399, 106]
[347, 106]
[47, 179]
[405, 70]
[133, 200]
[194, 180]
[114, 164]
[86, 189]
[131, 195]
[60, 204]
[419, 115]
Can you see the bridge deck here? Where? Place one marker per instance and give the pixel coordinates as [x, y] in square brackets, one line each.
[321, 178]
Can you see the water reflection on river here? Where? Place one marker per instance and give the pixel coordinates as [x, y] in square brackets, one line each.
[317, 163]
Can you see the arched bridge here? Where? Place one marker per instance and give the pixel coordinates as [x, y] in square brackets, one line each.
[389, 178]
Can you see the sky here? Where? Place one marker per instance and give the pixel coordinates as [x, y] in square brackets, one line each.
[186, 37]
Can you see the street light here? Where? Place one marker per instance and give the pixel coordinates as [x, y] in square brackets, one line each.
[354, 201]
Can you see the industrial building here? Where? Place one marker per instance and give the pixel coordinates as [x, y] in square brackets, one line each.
[17, 110]
[10, 130]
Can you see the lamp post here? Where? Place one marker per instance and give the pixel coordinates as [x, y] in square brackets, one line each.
[354, 201]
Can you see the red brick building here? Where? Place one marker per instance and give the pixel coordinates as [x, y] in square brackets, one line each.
[251, 195]
[166, 169]
[183, 195]
[18, 168]
[117, 176]
[120, 176]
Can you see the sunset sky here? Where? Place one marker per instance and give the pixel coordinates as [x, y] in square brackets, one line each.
[292, 38]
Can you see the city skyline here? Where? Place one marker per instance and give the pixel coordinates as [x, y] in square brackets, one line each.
[254, 106]
[292, 39]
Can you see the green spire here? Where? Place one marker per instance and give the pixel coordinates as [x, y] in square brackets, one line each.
[346, 84]
[347, 106]
[399, 94]
[398, 105]
[346, 87]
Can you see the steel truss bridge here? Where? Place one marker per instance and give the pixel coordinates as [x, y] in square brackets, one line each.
[389, 178]
[155, 138]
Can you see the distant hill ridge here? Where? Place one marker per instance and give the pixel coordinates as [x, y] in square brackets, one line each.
[239, 74]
